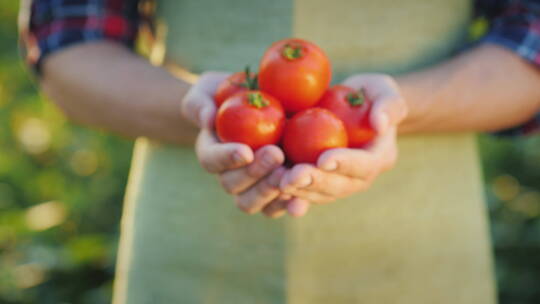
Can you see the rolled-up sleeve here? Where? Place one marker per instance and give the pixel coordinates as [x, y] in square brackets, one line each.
[47, 26]
[516, 26]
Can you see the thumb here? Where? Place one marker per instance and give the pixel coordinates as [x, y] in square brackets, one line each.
[207, 116]
[199, 108]
[198, 105]
[387, 111]
[389, 108]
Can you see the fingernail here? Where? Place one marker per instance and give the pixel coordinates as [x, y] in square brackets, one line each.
[329, 166]
[267, 160]
[304, 182]
[237, 157]
[274, 178]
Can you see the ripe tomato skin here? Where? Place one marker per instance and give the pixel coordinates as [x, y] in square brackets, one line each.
[242, 120]
[299, 80]
[235, 83]
[340, 100]
[310, 132]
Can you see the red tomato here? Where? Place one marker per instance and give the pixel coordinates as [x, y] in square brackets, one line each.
[353, 108]
[236, 83]
[253, 118]
[296, 72]
[311, 132]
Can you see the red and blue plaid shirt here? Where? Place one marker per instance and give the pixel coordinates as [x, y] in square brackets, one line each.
[50, 25]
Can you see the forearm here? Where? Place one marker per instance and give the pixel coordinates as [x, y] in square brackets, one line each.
[486, 89]
[102, 84]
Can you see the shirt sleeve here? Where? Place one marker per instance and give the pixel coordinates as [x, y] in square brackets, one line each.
[47, 26]
[515, 25]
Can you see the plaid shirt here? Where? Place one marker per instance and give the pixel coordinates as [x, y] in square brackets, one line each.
[49, 25]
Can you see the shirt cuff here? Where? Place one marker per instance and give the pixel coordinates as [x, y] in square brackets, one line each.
[52, 27]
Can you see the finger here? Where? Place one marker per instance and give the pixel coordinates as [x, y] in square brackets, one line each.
[363, 164]
[266, 160]
[385, 150]
[199, 108]
[317, 186]
[265, 191]
[297, 207]
[389, 107]
[354, 163]
[383, 142]
[296, 177]
[387, 111]
[198, 105]
[217, 157]
[312, 196]
[376, 86]
[277, 208]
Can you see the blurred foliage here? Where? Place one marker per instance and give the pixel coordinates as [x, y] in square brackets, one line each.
[512, 176]
[61, 188]
[61, 192]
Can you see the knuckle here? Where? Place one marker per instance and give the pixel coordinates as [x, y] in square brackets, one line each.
[227, 160]
[208, 165]
[275, 214]
[245, 205]
[232, 159]
[264, 189]
[257, 170]
[229, 186]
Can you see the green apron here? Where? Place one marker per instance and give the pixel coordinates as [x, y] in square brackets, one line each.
[418, 236]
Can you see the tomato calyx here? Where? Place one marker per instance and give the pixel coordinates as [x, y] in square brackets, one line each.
[257, 100]
[292, 52]
[356, 99]
[251, 83]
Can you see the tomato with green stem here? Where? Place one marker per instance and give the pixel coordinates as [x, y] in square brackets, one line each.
[296, 72]
[353, 108]
[253, 118]
[235, 83]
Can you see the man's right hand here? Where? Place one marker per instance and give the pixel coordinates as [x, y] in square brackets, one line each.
[253, 178]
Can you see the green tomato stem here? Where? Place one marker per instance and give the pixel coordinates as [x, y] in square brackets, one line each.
[356, 99]
[257, 100]
[292, 52]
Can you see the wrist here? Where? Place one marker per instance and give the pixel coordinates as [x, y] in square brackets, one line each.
[413, 97]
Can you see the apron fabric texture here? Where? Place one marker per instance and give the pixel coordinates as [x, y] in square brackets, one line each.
[418, 236]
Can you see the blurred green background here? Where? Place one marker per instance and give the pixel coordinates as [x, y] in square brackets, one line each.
[61, 191]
